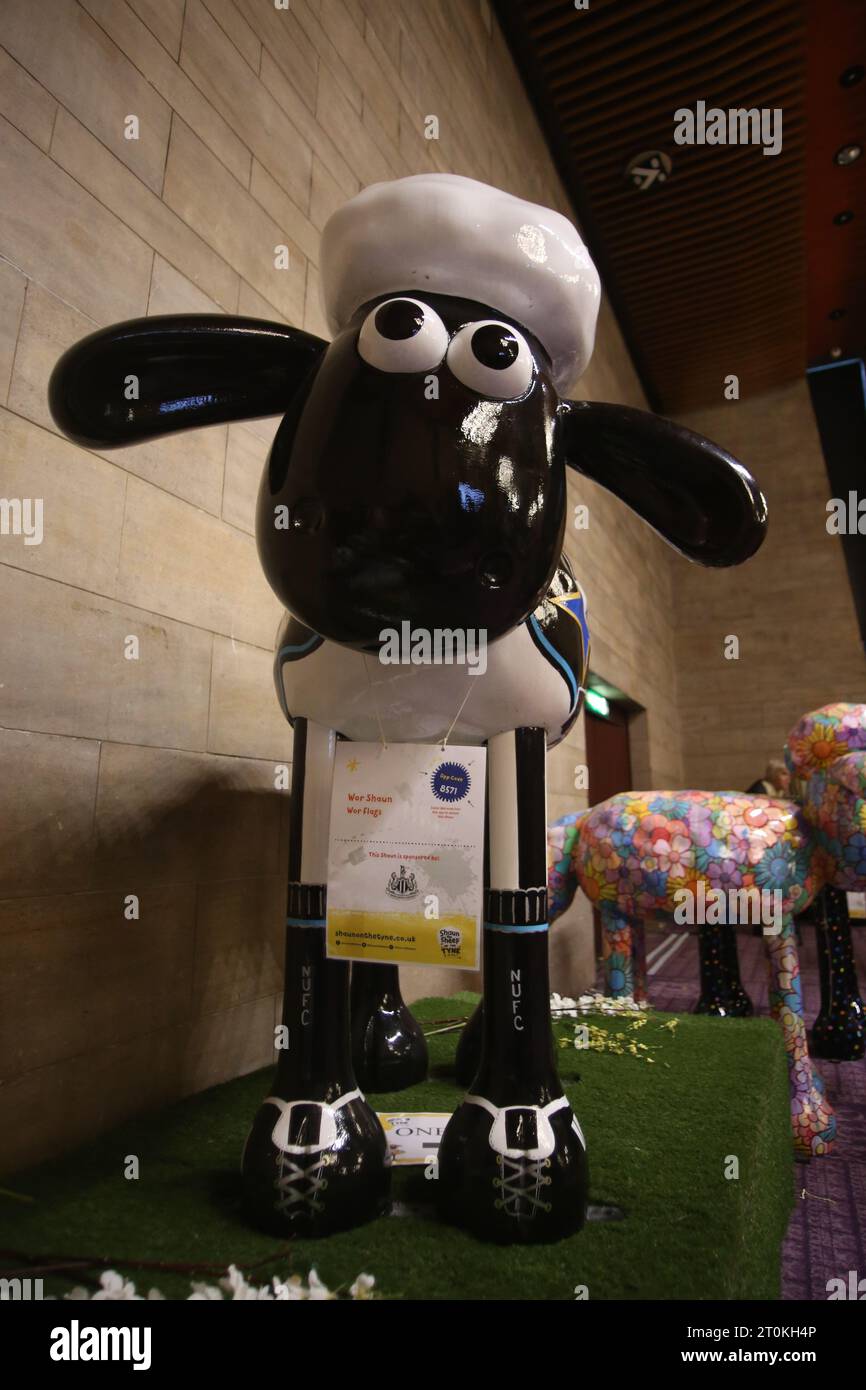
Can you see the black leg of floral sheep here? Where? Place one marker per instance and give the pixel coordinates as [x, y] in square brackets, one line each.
[722, 992]
[839, 1031]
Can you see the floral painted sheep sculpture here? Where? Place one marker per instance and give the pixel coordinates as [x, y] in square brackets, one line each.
[643, 855]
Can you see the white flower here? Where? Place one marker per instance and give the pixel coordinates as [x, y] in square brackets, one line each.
[115, 1287]
[318, 1290]
[597, 1003]
[235, 1284]
[202, 1293]
[291, 1289]
[562, 1006]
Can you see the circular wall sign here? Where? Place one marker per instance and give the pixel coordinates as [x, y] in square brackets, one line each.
[648, 170]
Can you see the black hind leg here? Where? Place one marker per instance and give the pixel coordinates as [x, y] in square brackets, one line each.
[389, 1050]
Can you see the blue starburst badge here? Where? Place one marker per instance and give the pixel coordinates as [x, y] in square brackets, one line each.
[450, 782]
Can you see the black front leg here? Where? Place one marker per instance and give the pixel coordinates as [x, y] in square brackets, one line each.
[316, 1159]
[722, 992]
[512, 1162]
[839, 1031]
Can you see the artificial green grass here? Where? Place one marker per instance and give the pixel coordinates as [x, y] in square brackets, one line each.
[659, 1136]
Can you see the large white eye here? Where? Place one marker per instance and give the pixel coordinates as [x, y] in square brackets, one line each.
[491, 358]
[403, 335]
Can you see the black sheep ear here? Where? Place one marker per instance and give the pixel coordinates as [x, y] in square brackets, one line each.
[149, 377]
[699, 499]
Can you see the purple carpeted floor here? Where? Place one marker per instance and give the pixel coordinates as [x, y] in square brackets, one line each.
[827, 1235]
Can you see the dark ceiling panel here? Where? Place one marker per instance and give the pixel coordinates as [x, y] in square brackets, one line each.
[836, 107]
[707, 270]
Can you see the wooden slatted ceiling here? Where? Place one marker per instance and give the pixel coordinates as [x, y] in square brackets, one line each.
[707, 271]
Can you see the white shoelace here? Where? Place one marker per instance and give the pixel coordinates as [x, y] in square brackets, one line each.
[309, 1180]
[520, 1183]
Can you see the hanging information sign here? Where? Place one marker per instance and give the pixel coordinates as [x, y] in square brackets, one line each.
[406, 854]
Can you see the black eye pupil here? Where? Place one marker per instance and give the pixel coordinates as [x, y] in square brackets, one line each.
[399, 319]
[495, 346]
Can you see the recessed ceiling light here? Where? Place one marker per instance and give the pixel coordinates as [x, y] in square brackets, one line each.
[848, 154]
[837, 314]
[851, 76]
[842, 217]
[836, 352]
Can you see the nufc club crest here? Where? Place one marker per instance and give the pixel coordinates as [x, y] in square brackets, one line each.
[402, 885]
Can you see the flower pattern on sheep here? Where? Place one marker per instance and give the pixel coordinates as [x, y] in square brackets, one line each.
[640, 850]
[633, 854]
[826, 756]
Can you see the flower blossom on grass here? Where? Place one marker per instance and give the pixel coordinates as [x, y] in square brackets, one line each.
[112, 1286]
[594, 1003]
[593, 1038]
[233, 1286]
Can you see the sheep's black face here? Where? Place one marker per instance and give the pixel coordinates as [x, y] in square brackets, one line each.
[414, 478]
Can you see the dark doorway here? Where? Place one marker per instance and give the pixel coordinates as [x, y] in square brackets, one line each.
[607, 754]
[609, 766]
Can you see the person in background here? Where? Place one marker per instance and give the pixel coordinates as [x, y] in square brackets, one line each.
[776, 780]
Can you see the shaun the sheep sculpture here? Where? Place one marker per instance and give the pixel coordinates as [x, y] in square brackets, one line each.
[418, 475]
[645, 855]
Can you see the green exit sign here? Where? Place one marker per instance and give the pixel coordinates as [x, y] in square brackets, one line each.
[597, 703]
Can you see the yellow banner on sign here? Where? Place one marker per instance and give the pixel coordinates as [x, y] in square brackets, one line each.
[413, 1137]
[402, 938]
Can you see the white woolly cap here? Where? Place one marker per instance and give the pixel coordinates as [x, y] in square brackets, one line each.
[450, 235]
